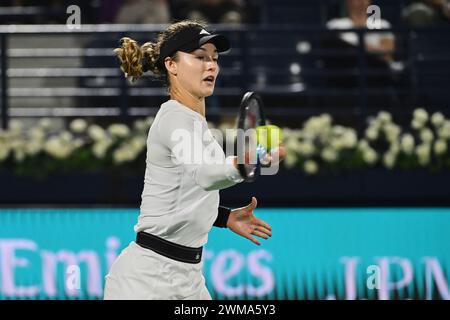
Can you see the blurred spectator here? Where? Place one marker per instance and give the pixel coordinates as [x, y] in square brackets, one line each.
[144, 11]
[427, 12]
[31, 11]
[375, 42]
[22, 3]
[48, 11]
[179, 9]
[217, 11]
[109, 10]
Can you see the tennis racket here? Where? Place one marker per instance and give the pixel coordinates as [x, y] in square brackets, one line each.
[250, 154]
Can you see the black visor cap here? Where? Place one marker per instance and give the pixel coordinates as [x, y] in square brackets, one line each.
[191, 39]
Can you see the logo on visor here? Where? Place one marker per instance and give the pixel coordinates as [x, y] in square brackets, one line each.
[204, 32]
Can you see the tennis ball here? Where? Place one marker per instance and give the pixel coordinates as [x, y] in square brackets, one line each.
[269, 136]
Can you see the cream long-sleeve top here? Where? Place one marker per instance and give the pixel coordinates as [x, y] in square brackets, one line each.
[185, 169]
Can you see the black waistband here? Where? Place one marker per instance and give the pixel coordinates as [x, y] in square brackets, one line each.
[169, 249]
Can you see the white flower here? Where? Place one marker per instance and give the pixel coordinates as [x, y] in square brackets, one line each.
[416, 124]
[138, 144]
[313, 124]
[338, 130]
[15, 126]
[8, 135]
[297, 134]
[370, 156]
[132, 154]
[100, 148]
[140, 125]
[325, 136]
[290, 159]
[66, 136]
[119, 156]
[349, 138]
[78, 125]
[310, 167]
[119, 130]
[96, 132]
[287, 132]
[337, 143]
[33, 147]
[421, 115]
[437, 119]
[423, 153]
[4, 152]
[18, 148]
[34, 144]
[394, 147]
[407, 143]
[389, 159]
[326, 119]
[440, 147]
[37, 133]
[57, 148]
[292, 145]
[45, 123]
[306, 148]
[444, 130]
[363, 145]
[308, 135]
[16, 143]
[78, 143]
[318, 126]
[329, 154]
[384, 117]
[426, 135]
[392, 131]
[315, 127]
[372, 133]
[144, 124]
[123, 154]
[19, 155]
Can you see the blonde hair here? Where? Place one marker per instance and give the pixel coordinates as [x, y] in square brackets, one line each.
[135, 60]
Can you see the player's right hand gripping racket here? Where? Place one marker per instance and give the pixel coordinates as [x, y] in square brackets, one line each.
[249, 152]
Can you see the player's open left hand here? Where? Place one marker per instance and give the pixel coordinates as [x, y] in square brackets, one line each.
[243, 222]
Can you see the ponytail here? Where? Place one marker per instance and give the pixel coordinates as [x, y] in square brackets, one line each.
[135, 60]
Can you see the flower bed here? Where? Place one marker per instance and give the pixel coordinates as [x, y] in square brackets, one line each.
[326, 164]
[317, 147]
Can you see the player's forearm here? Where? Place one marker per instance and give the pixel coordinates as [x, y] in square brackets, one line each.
[218, 176]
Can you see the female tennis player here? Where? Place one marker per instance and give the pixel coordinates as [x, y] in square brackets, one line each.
[180, 200]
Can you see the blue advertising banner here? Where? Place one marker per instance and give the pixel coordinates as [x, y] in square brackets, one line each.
[345, 253]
